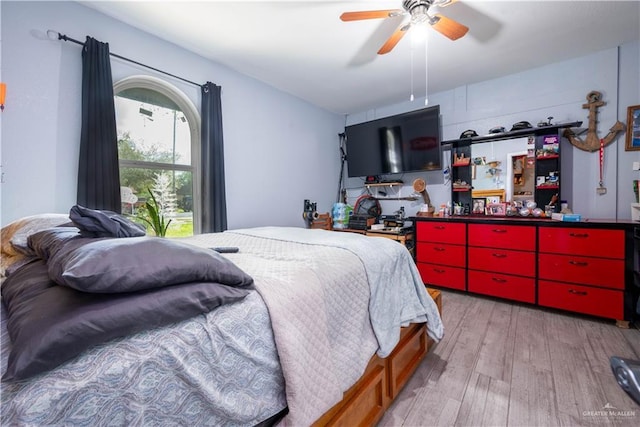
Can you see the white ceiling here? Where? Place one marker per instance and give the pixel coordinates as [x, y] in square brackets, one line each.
[303, 48]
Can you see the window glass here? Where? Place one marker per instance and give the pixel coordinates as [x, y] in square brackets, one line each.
[154, 149]
[155, 133]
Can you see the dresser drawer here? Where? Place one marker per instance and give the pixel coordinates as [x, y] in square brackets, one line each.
[581, 299]
[608, 273]
[503, 286]
[503, 236]
[441, 232]
[582, 241]
[505, 261]
[439, 253]
[442, 276]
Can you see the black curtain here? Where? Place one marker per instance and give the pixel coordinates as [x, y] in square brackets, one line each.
[98, 172]
[214, 204]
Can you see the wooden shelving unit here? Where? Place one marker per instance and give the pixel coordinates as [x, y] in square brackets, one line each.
[384, 184]
[390, 184]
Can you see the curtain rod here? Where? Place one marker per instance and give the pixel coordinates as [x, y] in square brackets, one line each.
[69, 39]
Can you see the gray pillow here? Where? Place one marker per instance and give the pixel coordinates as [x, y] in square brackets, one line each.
[50, 324]
[138, 263]
[46, 243]
[103, 223]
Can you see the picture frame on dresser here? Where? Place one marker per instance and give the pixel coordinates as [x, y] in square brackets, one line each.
[478, 206]
[633, 128]
[496, 209]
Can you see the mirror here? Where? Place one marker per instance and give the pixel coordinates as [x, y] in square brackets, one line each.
[504, 169]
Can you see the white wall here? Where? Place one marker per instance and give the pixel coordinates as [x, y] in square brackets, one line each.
[557, 90]
[279, 150]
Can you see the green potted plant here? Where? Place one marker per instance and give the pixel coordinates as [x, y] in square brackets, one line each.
[154, 216]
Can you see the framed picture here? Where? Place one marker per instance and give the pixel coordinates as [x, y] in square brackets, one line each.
[478, 206]
[633, 128]
[498, 209]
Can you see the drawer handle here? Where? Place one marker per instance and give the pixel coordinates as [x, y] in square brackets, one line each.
[499, 230]
[439, 249]
[498, 280]
[581, 293]
[438, 270]
[499, 255]
[579, 235]
[439, 227]
[579, 263]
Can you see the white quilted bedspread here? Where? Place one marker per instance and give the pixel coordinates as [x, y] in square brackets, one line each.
[334, 300]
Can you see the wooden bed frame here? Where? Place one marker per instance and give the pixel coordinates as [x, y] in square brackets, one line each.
[367, 400]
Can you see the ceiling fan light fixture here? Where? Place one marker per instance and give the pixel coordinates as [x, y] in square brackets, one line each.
[419, 14]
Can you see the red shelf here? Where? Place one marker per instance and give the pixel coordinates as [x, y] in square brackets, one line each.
[552, 156]
[547, 187]
[462, 189]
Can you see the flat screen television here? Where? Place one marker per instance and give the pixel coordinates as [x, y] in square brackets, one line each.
[407, 142]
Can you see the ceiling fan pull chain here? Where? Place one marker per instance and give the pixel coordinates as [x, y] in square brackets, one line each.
[426, 69]
[411, 97]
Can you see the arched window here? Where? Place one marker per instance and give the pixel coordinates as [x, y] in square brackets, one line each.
[159, 150]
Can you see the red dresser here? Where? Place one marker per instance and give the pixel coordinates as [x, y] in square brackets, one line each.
[585, 267]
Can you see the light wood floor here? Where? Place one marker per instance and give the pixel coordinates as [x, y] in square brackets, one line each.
[509, 364]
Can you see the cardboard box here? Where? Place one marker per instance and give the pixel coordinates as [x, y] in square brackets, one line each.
[557, 216]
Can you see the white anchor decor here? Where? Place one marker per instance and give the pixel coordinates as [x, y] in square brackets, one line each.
[592, 142]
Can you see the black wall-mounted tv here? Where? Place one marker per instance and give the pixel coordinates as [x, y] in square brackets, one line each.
[407, 142]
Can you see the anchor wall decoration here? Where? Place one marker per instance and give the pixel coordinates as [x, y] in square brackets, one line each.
[592, 142]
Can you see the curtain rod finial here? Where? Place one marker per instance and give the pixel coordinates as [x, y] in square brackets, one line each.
[53, 35]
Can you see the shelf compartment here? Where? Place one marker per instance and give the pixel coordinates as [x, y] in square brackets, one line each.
[383, 184]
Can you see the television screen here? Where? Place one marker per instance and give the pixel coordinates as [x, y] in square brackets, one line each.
[408, 142]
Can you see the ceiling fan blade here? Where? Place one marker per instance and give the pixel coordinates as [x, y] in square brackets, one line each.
[369, 14]
[443, 3]
[394, 39]
[448, 27]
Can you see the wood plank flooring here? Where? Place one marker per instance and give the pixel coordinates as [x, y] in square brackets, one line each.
[510, 364]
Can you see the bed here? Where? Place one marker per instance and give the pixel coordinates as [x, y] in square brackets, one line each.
[329, 330]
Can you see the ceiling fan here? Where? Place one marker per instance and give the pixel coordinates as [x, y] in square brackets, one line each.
[418, 10]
